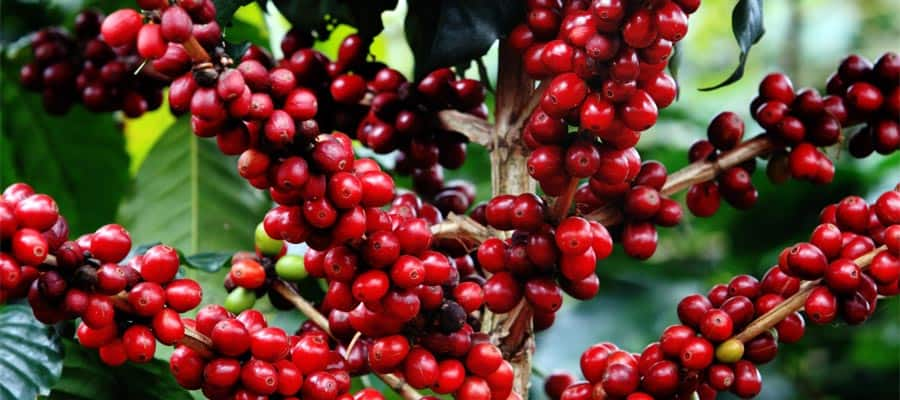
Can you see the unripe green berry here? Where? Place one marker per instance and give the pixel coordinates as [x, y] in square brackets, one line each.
[291, 268]
[265, 244]
[239, 299]
[730, 351]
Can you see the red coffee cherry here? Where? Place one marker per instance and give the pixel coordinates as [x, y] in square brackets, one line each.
[661, 379]
[556, 383]
[140, 344]
[159, 264]
[777, 86]
[574, 236]
[29, 246]
[697, 353]
[703, 199]
[110, 243]
[38, 212]
[230, 337]
[642, 202]
[726, 130]
[716, 325]
[674, 338]
[566, 91]
[821, 305]
[168, 327]
[692, 309]
[147, 299]
[885, 268]
[121, 27]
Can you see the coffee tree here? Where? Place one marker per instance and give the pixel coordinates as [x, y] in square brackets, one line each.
[356, 288]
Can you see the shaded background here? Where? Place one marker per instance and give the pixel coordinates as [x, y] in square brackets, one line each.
[114, 175]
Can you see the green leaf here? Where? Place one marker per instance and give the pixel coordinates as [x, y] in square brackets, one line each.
[747, 25]
[225, 10]
[209, 262]
[78, 158]
[30, 354]
[365, 15]
[85, 377]
[189, 196]
[450, 32]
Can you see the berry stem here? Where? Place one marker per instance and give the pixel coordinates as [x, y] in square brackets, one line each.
[306, 308]
[564, 201]
[793, 303]
[196, 51]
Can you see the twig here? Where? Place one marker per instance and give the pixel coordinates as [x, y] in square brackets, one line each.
[476, 129]
[464, 228]
[697, 172]
[196, 51]
[793, 303]
[564, 201]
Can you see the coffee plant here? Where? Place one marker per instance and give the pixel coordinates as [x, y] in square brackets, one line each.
[309, 225]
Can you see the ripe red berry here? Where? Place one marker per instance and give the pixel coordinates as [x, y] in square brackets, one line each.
[502, 292]
[150, 42]
[747, 380]
[110, 243]
[140, 344]
[248, 274]
[230, 337]
[38, 211]
[183, 295]
[674, 338]
[160, 264]
[692, 309]
[483, 359]
[639, 239]
[451, 374]
[853, 214]
[885, 268]
[29, 247]
[566, 91]
[642, 202]
[821, 305]
[696, 354]
[121, 27]
[716, 325]
[147, 299]
[574, 236]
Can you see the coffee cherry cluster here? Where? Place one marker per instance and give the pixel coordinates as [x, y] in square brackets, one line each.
[702, 354]
[724, 133]
[252, 360]
[539, 261]
[604, 62]
[85, 68]
[401, 117]
[799, 123]
[124, 307]
[872, 97]
[410, 304]
[270, 112]
[251, 277]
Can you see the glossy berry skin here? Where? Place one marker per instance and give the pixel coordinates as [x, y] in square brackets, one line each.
[821, 305]
[697, 353]
[29, 246]
[160, 264]
[140, 344]
[692, 309]
[37, 211]
[642, 202]
[230, 337]
[248, 274]
[121, 27]
[716, 325]
[747, 380]
[269, 344]
[843, 276]
[147, 298]
[110, 243]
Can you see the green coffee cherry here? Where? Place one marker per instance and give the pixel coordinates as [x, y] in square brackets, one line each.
[239, 299]
[291, 268]
[266, 244]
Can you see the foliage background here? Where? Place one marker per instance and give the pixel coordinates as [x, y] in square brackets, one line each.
[165, 184]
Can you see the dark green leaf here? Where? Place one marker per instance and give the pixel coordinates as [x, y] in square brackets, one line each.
[209, 262]
[365, 15]
[225, 10]
[86, 377]
[79, 158]
[674, 65]
[189, 196]
[236, 50]
[449, 32]
[18, 18]
[30, 354]
[747, 25]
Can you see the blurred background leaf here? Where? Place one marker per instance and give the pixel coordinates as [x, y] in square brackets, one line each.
[78, 158]
[30, 354]
[85, 377]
